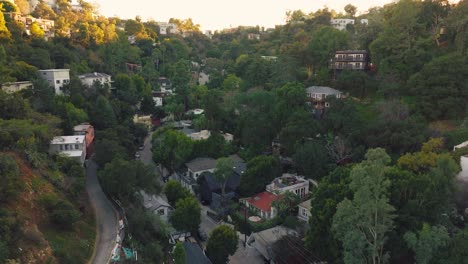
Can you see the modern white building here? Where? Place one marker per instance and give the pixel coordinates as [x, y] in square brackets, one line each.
[158, 101]
[69, 146]
[14, 87]
[341, 23]
[88, 79]
[304, 211]
[289, 182]
[56, 78]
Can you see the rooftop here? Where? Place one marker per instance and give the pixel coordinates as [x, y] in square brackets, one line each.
[321, 90]
[54, 70]
[194, 254]
[351, 51]
[200, 164]
[93, 75]
[68, 139]
[82, 127]
[263, 200]
[153, 202]
[265, 239]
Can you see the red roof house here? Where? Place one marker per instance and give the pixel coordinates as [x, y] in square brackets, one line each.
[261, 204]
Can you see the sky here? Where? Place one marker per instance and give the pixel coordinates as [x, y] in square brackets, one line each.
[219, 14]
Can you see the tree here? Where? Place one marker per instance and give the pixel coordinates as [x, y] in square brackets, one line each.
[186, 216]
[179, 254]
[36, 31]
[10, 177]
[102, 114]
[172, 149]
[174, 192]
[107, 150]
[311, 159]
[427, 242]
[4, 32]
[221, 244]
[350, 10]
[361, 224]
[287, 204]
[222, 173]
[260, 171]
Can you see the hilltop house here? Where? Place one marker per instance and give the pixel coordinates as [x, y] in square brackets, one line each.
[289, 182]
[87, 130]
[197, 166]
[356, 60]
[317, 95]
[56, 78]
[342, 23]
[70, 146]
[48, 26]
[14, 87]
[88, 79]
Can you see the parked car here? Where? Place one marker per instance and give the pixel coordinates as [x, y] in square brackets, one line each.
[137, 155]
[141, 147]
[202, 235]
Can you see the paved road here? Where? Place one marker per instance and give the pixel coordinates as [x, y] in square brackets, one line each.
[106, 217]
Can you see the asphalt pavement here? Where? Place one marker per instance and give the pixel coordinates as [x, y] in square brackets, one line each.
[106, 217]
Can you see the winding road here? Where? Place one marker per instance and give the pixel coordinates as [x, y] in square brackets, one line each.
[106, 217]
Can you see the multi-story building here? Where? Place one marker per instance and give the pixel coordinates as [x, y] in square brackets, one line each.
[13, 87]
[317, 96]
[56, 78]
[357, 60]
[88, 79]
[69, 146]
[289, 182]
[304, 211]
[342, 23]
[87, 130]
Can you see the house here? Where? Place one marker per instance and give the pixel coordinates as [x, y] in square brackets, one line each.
[203, 78]
[261, 204]
[156, 205]
[253, 36]
[462, 145]
[317, 95]
[196, 111]
[48, 26]
[341, 23]
[194, 254]
[185, 180]
[69, 146]
[56, 78]
[303, 213]
[88, 79]
[158, 101]
[87, 130]
[165, 85]
[210, 189]
[262, 242]
[13, 87]
[204, 134]
[289, 182]
[167, 28]
[356, 60]
[197, 166]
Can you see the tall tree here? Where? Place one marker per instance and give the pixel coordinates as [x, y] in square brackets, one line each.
[4, 32]
[427, 242]
[172, 149]
[222, 243]
[260, 171]
[222, 173]
[186, 216]
[362, 223]
[179, 254]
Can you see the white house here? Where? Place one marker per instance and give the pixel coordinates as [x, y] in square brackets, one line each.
[462, 145]
[204, 134]
[289, 182]
[304, 211]
[341, 23]
[203, 78]
[197, 166]
[56, 78]
[158, 101]
[88, 79]
[70, 146]
[13, 87]
[156, 205]
[316, 95]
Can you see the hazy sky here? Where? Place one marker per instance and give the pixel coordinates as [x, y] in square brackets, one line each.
[218, 14]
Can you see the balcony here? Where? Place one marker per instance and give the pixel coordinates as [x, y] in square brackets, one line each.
[338, 66]
[350, 58]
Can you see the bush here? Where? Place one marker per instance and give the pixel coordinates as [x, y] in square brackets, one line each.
[61, 212]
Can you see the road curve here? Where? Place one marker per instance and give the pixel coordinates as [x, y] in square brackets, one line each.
[106, 217]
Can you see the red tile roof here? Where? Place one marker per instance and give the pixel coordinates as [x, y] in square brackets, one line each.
[263, 200]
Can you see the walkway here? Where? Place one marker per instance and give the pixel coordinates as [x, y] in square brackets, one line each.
[106, 217]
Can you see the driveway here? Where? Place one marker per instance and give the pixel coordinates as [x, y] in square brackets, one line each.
[106, 217]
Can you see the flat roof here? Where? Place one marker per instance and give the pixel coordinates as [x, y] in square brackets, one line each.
[200, 164]
[93, 75]
[53, 70]
[68, 139]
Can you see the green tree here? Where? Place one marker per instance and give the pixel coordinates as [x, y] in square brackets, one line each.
[350, 10]
[174, 192]
[172, 149]
[361, 224]
[260, 171]
[36, 31]
[42, 10]
[4, 32]
[312, 160]
[102, 114]
[222, 243]
[427, 242]
[222, 173]
[179, 254]
[186, 216]
[10, 177]
[287, 205]
[106, 150]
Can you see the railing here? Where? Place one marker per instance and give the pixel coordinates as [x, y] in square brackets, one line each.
[350, 58]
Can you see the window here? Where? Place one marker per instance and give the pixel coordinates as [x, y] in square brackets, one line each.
[327, 104]
[66, 81]
[61, 147]
[44, 73]
[77, 146]
[161, 212]
[57, 81]
[66, 147]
